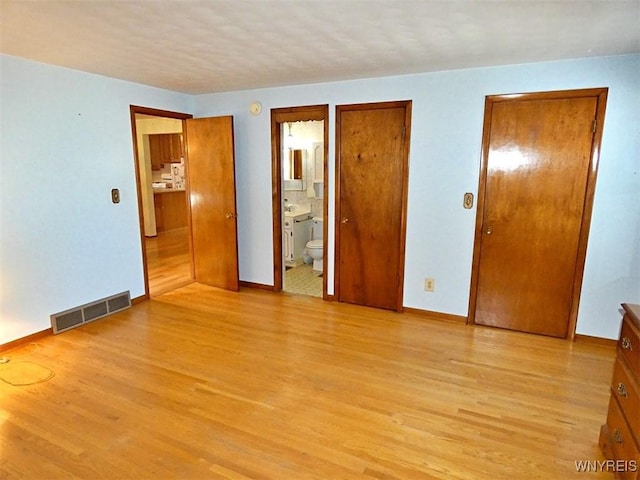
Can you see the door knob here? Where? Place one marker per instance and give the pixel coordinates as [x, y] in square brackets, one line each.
[229, 215]
[489, 230]
[622, 390]
[345, 220]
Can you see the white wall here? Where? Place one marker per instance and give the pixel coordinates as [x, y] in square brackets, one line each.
[448, 110]
[65, 143]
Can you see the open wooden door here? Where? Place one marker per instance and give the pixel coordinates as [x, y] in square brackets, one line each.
[540, 154]
[212, 193]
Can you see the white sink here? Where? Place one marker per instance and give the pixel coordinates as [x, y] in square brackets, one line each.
[299, 212]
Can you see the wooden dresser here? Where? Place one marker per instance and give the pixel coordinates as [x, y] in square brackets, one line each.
[620, 436]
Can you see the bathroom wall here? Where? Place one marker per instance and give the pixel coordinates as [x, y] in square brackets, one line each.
[448, 109]
[301, 198]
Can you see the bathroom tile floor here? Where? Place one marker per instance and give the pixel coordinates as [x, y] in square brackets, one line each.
[303, 280]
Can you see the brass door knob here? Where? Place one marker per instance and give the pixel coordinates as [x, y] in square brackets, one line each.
[622, 390]
[345, 220]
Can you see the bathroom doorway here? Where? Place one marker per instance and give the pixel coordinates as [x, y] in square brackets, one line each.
[299, 159]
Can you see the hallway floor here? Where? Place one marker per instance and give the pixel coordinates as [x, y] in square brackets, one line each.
[168, 261]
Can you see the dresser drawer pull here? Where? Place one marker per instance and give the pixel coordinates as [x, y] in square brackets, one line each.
[617, 436]
[622, 390]
[626, 343]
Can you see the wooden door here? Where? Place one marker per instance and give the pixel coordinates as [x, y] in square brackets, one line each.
[537, 185]
[211, 183]
[372, 164]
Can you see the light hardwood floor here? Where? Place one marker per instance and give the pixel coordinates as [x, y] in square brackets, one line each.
[168, 260]
[201, 383]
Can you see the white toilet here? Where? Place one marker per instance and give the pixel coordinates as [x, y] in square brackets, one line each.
[314, 247]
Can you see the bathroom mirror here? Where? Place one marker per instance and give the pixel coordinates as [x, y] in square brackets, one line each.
[294, 170]
[295, 164]
[302, 149]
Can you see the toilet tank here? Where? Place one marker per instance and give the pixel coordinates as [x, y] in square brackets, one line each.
[316, 229]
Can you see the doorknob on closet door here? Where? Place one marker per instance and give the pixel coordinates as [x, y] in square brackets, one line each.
[489, 230]
[344, 220]
[229, 215]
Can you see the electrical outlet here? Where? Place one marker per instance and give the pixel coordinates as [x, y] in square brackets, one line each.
[429, 284]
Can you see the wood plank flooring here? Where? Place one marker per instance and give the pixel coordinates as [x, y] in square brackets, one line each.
[168, 261]
[201, 383]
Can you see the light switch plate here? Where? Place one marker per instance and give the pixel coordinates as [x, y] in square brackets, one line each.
[468, 200]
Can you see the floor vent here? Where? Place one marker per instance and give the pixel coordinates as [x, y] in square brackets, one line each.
[91, 311]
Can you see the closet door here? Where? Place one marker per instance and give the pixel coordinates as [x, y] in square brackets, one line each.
[538, 180]
[372, 163]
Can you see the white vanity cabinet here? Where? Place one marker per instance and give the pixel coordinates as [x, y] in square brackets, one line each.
[297, 232]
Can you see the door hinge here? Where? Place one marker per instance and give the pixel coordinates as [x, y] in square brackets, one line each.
[594, 126]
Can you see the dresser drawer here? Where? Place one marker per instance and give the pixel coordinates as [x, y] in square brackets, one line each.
[625, 389]
[624, 446]
[629, 343]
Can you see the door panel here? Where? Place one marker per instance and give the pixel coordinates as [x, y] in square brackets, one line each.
[537, 173]
[211, 177]
[372, 171]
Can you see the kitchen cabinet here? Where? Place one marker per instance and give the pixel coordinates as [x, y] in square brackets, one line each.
[170, 208]
[165, 148]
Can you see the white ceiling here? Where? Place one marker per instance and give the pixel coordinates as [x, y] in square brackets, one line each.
[204, 46]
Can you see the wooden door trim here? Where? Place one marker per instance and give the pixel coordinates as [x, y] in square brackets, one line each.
[133, 110]
[406, 104]
[278, 117]
[490, 100]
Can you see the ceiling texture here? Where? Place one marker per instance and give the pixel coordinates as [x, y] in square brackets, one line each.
[207, 46]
